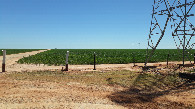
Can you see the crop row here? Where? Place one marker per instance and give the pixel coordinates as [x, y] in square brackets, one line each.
[16, 51]
[103, 56]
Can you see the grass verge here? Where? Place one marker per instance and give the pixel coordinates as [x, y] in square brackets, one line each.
[122, 78]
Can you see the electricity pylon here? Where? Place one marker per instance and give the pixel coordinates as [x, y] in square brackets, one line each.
[176, 14]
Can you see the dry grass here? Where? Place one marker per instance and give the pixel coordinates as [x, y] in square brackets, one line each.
[122, 78]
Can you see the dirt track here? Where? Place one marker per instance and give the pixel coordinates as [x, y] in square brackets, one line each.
[36, 94]
[11, 60]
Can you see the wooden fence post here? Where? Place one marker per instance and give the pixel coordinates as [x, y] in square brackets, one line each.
[3, 63]
[94, 62]
[67, 61]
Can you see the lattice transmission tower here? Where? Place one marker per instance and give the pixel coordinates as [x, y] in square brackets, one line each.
[173, 15]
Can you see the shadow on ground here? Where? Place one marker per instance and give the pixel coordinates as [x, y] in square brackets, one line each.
[146, 88]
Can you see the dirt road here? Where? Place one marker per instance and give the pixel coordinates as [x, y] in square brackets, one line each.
[11, 60]
[49, 95]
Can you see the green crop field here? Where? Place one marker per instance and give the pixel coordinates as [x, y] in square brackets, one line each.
[16, 51]
[103, 56]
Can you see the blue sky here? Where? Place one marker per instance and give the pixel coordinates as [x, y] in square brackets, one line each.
[76, 24]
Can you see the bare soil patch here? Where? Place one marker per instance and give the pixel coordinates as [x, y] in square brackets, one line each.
[114, 90]
[16, 93]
